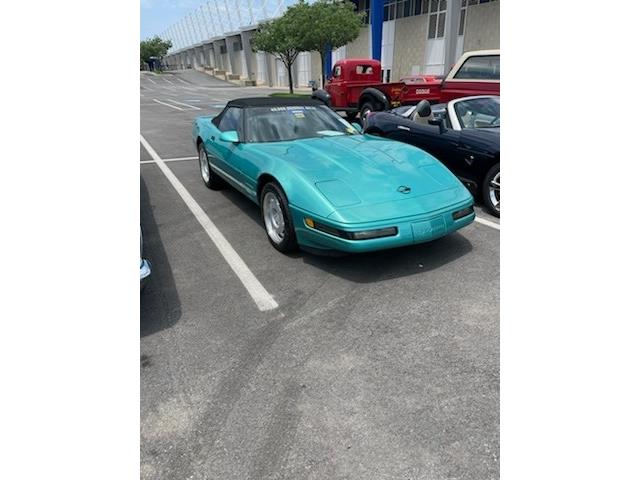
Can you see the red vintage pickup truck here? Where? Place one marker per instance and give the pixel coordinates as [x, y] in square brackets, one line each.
[356, 87]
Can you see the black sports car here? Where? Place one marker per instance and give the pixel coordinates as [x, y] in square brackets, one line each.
[463, 134]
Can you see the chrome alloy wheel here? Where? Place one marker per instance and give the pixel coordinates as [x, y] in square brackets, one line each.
[273, 217]
[494, 191]
[204, 165]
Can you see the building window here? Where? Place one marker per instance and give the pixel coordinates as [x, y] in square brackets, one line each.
[463, 16]
[223, 49]
[437, 10]
[365, 6]
[389, 11]
[394, 9]
[404, 8]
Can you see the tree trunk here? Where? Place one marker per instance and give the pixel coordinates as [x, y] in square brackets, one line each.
[289, 66]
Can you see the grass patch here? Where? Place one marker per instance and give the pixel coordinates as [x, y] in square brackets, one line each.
[290, 95]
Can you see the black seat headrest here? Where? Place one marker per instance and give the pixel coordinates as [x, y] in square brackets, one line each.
[423, 109]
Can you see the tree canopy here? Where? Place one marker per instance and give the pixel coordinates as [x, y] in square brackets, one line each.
[309, 27]
[154, 47]
[282, 38]
[329, 23]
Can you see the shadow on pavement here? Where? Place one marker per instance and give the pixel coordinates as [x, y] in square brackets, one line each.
[160, 306]
[394, 263]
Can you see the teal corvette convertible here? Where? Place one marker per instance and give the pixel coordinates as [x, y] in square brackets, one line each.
[323, 185]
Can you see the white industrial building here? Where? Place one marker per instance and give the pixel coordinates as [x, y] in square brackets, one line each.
[417, 36]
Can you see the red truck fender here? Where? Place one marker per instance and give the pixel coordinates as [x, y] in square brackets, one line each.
[372, 99]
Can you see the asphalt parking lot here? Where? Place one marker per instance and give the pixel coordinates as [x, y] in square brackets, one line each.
[376, 366]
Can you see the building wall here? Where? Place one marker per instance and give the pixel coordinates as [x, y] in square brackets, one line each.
[410, 46]
[316, 68]
[482, 29]
[361, 46]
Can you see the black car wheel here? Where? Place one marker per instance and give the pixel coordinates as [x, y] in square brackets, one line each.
[365, 109]
[276, 218]
[210, 179]
[491, 190]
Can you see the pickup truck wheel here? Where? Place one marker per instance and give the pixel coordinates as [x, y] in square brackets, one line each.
[276, 218]
[210, 179]
[491, 190]
[365, 109]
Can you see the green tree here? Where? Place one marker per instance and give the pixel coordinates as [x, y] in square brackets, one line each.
[282, 38]
[153, 47]
[331, 23]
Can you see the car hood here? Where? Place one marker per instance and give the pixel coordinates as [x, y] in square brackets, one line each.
[372, 168]
[360, 171]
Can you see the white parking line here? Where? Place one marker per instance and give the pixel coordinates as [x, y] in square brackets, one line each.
[179, 159]
[168, 105]
[152, 81]
[184, 104]
[167, 80]
[261, 297]
[488, 223]
[181, 80]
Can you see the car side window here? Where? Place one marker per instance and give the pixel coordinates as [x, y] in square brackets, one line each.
[231, 120]
[480, 68]
[337, 70]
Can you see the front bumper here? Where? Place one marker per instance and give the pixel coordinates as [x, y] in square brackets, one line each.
[411, 230]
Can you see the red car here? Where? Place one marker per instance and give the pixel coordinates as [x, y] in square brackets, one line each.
[475, 73]
[411, 79]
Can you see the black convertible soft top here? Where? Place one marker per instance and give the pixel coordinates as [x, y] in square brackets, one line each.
[273, 102]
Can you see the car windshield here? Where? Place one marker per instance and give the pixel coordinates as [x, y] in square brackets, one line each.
[479, 112]
[278, 124]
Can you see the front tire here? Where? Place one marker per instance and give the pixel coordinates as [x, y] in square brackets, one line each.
[210, 179]
[491, 190]
[365, 109]
[277, 219]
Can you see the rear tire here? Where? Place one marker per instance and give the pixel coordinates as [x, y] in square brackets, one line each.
[491, 190]
[210, 179]
[277, 219]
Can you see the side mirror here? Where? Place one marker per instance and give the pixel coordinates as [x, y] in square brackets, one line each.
[230, 136]
[357, 126]
[438, 122]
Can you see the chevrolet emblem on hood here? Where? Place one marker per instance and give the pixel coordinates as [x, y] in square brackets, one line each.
[404, 189]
